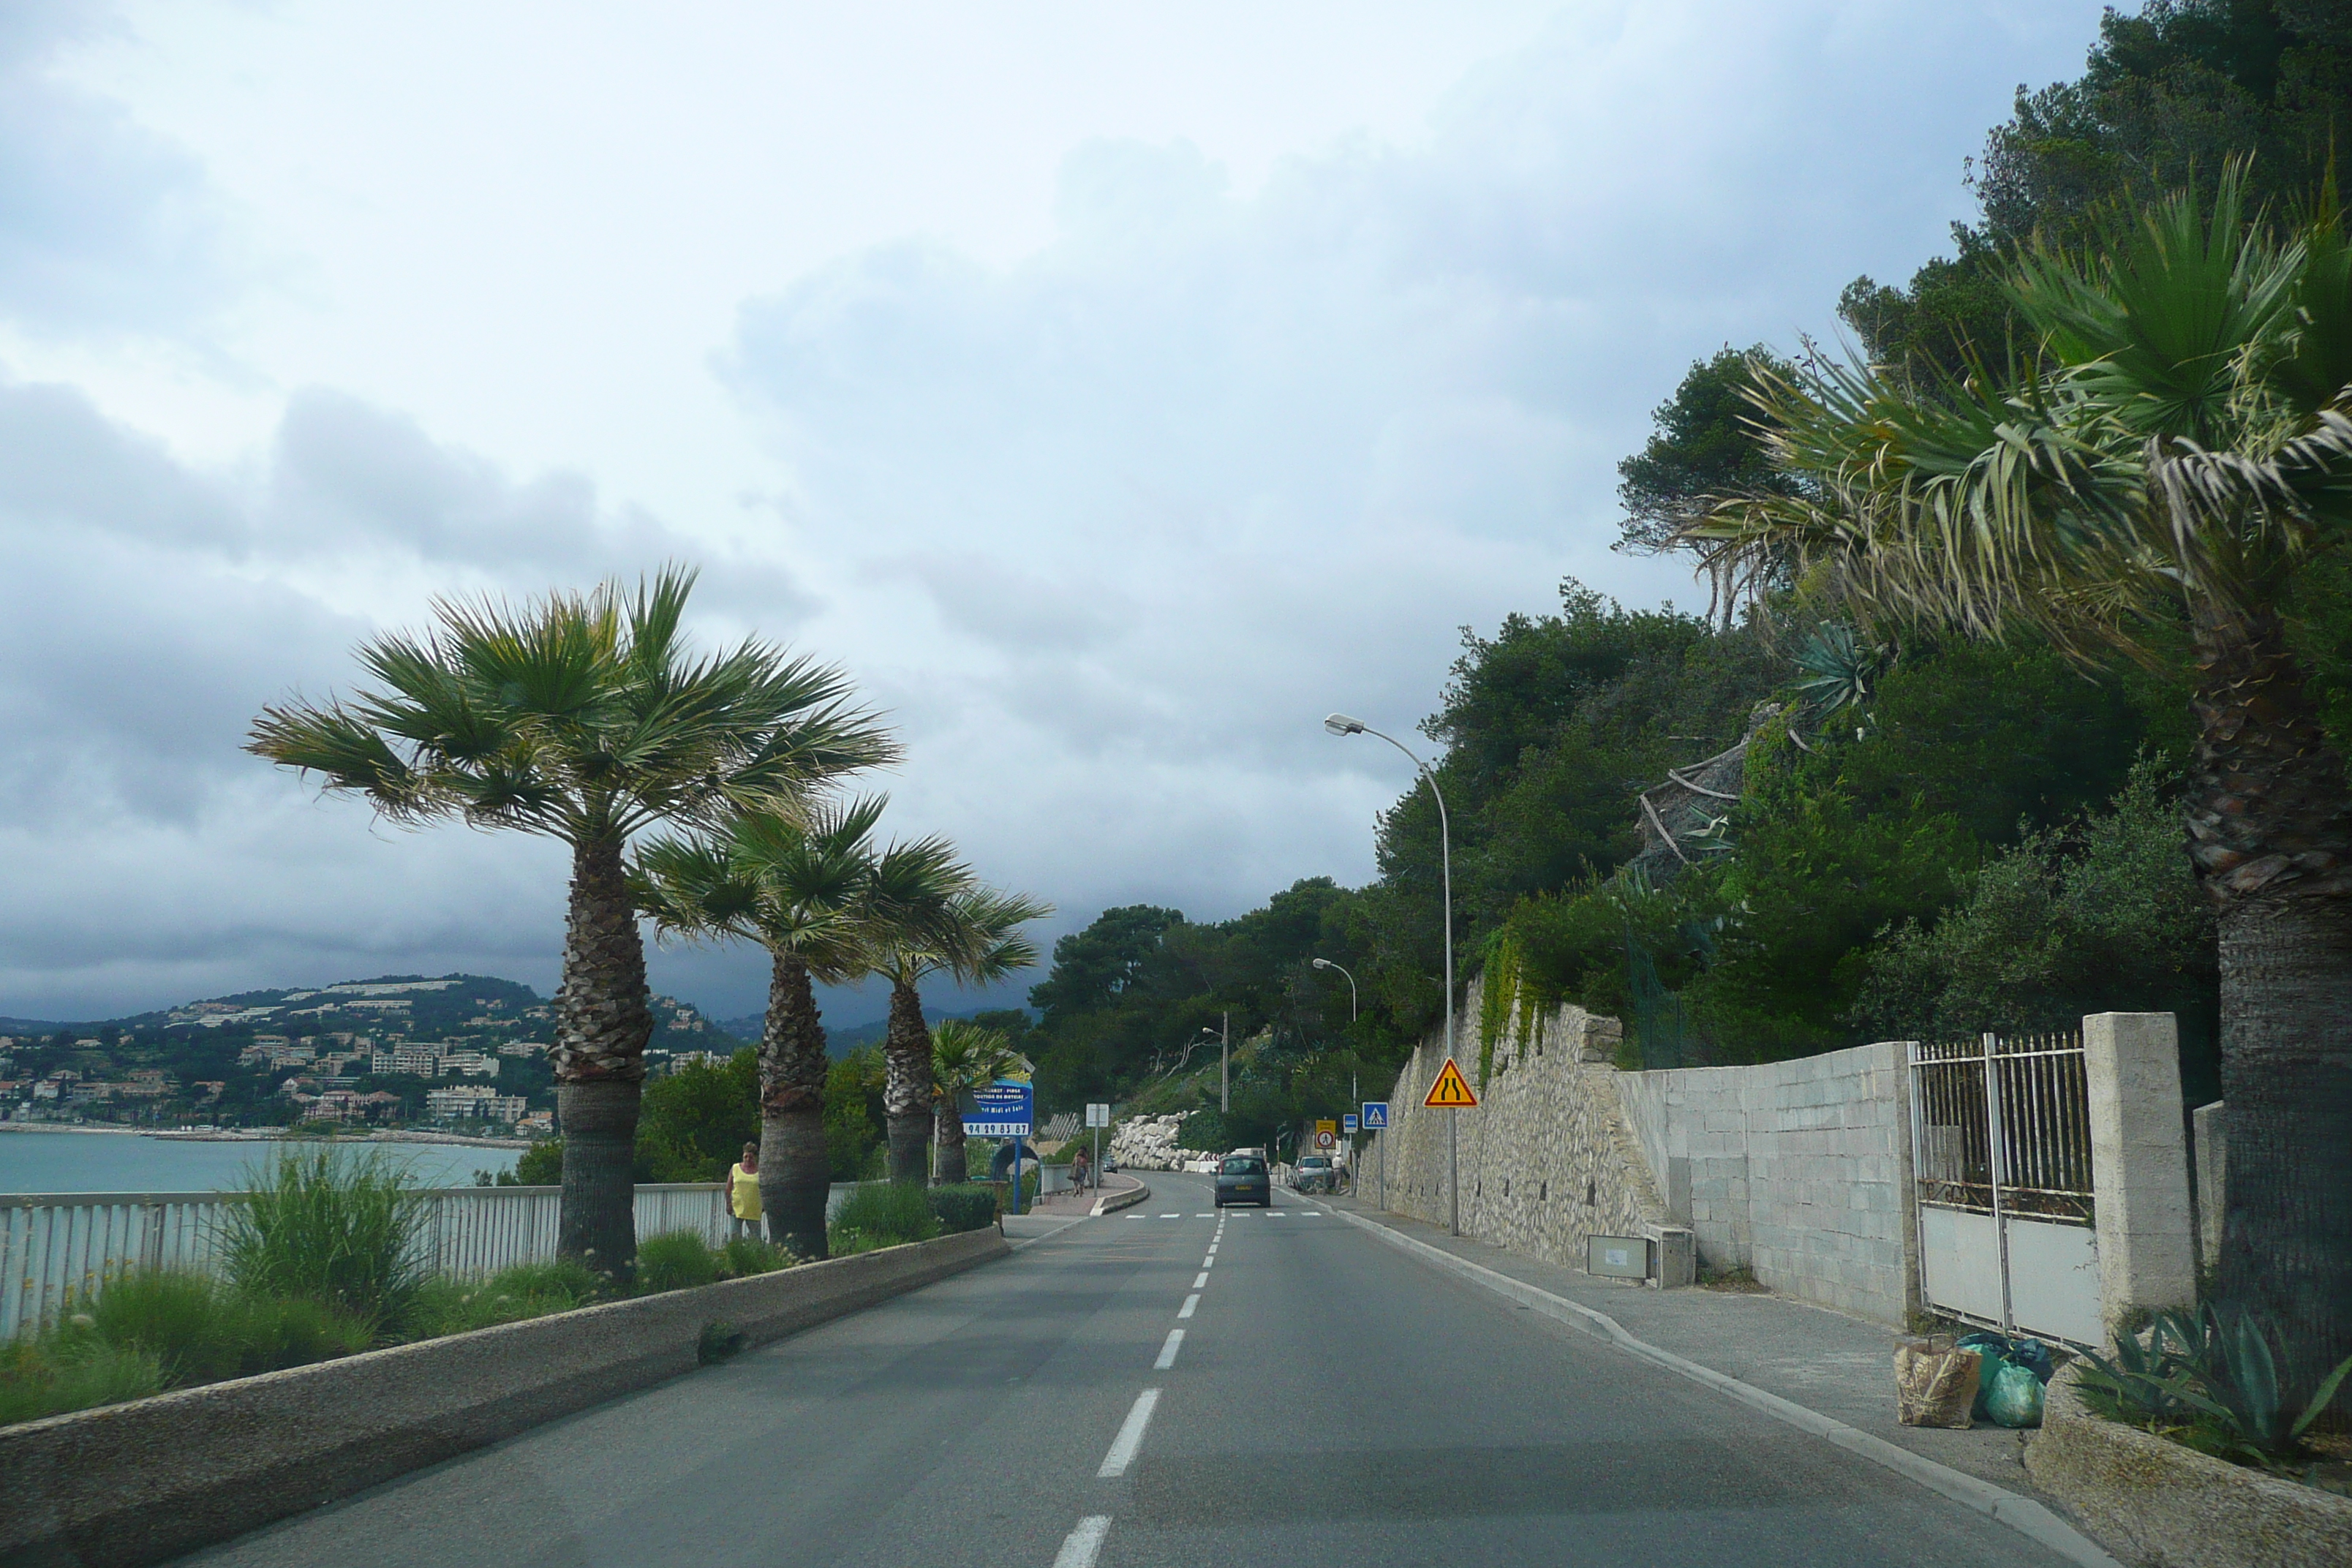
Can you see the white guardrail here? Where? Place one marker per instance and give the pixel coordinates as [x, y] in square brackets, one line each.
[57, 1246]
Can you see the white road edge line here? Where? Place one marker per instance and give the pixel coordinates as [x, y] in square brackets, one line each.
[1168, 1350]
[2022, 1514]
[1130, 1436]
[1083, 1544]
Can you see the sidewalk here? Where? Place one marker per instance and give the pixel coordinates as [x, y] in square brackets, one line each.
[1835, 1365]
[1079, 1203]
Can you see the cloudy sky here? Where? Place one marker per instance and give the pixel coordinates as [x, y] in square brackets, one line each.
[1115, 388]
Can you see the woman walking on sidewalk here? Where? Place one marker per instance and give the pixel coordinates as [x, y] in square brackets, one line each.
[1080, 1169]
[743, 1193]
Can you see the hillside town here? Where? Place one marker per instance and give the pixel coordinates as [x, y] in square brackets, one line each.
[461, 1054]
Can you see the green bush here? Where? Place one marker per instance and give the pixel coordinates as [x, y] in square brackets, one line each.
[526, 1291]
[747, 1255]
[49, 1377]
[675, 1260]
[200, 1331]
[541, 1165]
[969, 1206]
[337, 1227]
[883, 1214]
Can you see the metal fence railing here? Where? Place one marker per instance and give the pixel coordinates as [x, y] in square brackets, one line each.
[60, 1247]
[2034, 1089]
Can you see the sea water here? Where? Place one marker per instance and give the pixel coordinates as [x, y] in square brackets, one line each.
[126, 1162]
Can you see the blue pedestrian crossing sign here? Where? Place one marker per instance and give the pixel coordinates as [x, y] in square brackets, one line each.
[1347, 1122]
[1376, 1115]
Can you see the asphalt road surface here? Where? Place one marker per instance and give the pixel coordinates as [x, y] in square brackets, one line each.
[1330, 1398]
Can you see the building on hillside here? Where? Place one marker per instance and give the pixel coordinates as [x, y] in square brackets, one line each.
[523, 1049]
[460, 1101]
[472, 1064]
[422, 1060]
[538, 1124]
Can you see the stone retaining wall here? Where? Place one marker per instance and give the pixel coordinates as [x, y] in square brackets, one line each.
[1547, 1158]
[138, 1483]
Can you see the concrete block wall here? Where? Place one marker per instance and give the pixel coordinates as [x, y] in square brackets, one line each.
[1798, 1171]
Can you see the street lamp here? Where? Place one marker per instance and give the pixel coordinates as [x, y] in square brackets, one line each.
[1327, 964]
[1356, 1094]
[1224, 1034]
[1340, 724]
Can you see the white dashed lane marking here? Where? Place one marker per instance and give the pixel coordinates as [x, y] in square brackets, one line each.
[1123, 1447]
[1201, 1280]
[1083, 1544]
[1189, 1302]
[1168, 1350]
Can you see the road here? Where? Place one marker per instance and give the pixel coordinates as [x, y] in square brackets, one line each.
[1330, 1398]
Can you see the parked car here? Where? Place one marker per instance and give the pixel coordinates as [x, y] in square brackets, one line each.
[1242, 1179]
[1315, 1174]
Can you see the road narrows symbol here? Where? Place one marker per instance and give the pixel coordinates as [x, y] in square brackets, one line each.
[1450, 1090]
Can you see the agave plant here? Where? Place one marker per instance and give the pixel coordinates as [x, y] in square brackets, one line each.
[1839, 666]
[2212, 1368]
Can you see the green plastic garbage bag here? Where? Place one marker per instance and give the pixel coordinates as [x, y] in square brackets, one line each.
[2015, 1397]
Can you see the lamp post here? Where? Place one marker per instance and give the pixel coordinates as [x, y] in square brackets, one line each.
[1223, 1034]
[1340, 724]
[1353, 1092]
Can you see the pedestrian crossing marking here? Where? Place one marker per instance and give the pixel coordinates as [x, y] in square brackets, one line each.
[1451, 1091]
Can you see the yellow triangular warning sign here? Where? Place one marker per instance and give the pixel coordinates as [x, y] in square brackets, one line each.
[1451, 1091]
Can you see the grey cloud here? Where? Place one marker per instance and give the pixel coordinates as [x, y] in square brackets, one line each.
[105, 226]
[150, 609]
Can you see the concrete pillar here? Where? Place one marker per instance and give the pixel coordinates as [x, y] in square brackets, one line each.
[2139, 1163]
[2213, 1181]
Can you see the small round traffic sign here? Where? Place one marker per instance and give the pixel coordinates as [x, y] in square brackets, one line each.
[1323, 1139]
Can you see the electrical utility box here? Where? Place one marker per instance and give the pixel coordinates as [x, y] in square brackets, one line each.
[1617, 1257]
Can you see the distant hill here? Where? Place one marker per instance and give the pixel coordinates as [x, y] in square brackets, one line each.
[417, 1006]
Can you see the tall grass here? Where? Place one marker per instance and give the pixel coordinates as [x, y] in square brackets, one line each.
[339, 1228]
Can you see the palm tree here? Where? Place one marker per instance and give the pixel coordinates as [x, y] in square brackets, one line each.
[811, 888]
[964, 1057]
[582, 717]
[2169, 466]
[970, 932]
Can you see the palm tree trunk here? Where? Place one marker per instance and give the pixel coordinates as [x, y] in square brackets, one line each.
[603, 1019]
[2269, 825]
[795, 1175]
[953, 1167]
[907, 1091]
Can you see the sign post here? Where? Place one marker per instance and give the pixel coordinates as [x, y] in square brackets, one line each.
[1450, 1093]
[1005, 1108]
[1097, 1118]
[1376, 1120]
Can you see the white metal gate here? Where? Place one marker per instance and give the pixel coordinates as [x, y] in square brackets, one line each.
[2006, 1231]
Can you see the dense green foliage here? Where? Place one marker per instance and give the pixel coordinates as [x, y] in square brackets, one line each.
[968, 1205]
[2168, 94]
[882, 1214]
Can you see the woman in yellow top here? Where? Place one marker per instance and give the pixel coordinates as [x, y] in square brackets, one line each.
[743, 1193]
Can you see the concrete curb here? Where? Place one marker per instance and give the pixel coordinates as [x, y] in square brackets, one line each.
[2023, 1515]
[131, 1484]
[2169, 1507]
[1118, 1201]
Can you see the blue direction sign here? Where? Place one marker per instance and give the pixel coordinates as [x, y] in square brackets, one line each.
[1376, 1114]
[1003, 1110]
[1347, 1122]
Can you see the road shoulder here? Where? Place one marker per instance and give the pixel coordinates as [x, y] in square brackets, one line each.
[1829, 1368]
